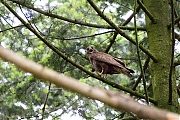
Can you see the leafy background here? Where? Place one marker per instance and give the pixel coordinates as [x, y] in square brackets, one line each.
[23, 96]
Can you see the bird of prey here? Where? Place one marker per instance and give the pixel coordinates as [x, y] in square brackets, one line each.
[106, 64]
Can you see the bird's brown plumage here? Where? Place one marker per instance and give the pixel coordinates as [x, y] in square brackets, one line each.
[105, 63]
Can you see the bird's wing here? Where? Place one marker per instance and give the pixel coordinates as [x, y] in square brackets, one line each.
[104, 57]
[119, 61]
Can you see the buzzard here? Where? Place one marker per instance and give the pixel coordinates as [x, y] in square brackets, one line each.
[105, 63]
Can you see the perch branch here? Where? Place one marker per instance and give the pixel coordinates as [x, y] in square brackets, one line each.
[114, 99]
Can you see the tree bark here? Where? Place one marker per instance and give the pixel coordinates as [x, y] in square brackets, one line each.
[160, 44]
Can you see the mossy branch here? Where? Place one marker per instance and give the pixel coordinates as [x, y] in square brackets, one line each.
[72, 62]
[146, 11]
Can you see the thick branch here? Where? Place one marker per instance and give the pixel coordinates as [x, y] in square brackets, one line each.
[146, 11]
[114, 99]
[120, 31]
[72, 62]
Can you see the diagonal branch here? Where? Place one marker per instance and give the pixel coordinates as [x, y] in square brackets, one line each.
[146, 11]
[177, 36]
[72, 62]
[114, 99]
[45, 102]
[120, 31]
[123, 24]
[177, 20]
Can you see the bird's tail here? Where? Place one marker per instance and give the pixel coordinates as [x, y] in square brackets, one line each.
[127, 72]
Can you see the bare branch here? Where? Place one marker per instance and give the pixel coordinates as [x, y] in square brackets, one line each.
[45, 102]
[87, 36]
[146, 11]
[114, 99]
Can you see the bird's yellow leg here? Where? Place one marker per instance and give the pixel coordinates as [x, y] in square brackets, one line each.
[100, 74]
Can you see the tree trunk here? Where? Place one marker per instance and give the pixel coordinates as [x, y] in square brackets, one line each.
[160, 44]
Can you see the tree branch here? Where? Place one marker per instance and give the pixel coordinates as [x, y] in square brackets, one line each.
[176, 63]
[86, 36]
[140, 76]
[72, 21]
[120, 31]
[116, 33]
[177, 36]
[72, 62]
[172, 52]
[177, 20]
[146, 11]
[45, 102]
[138, 53]
[114, 99]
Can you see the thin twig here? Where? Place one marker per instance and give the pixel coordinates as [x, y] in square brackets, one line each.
[111, 42]
[138, 53]
[140, 76]
[176, 63]
[86, 36]
[45, 102]
[172, 52]
[177, 36]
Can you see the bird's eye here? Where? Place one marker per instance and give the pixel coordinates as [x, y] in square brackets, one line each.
[87, 49]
